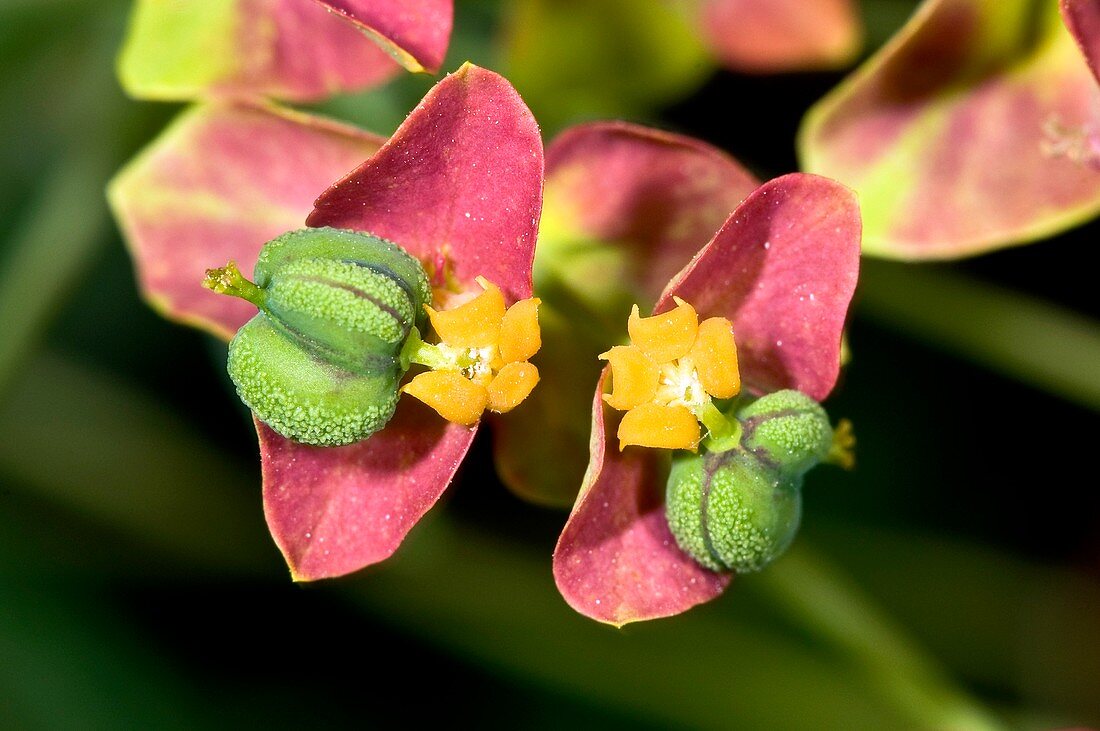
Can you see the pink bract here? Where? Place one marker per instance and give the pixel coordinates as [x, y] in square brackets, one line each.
[783, 268]
[220, 182]
[459, 185]
[411, 31]
[460, 182]
[296, 50]
[766, 36]
[626, 207]
[961, 134]
[1082, 17]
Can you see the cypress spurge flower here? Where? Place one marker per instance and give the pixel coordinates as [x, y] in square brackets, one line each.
[668, 377]
[481, 360]
[457, 188]
[652, 534]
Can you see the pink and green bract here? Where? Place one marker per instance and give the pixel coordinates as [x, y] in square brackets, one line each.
[766, 36]
[961, 134]
[783, 268]
[234, 171]
[625, 208]
[297, 50]
[459, 185]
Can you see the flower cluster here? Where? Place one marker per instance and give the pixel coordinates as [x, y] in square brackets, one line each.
[712, 397]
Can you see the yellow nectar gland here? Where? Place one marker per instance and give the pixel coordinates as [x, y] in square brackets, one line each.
[669, 375]
[481, 360]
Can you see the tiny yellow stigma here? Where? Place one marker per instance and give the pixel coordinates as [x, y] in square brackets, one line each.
[668, 376]
[481, 360]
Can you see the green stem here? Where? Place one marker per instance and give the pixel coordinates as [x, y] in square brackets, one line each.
[131, 467]
[415, 350]
[830, 607]
[48, 253]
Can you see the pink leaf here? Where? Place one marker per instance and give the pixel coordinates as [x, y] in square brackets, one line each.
[220, 182]
[416, 32]
[783, 268]
[656, 195]
[460, 181]
[626, 208]
[1082, 17]
[766, 36]
[334, 510]
[972, 129]
[616, 560]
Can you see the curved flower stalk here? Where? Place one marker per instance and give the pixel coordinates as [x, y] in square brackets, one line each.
[971, 130]
[782, 270]
[296, 50]
[458, 186]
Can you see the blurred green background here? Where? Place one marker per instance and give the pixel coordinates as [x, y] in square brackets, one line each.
[951, 581]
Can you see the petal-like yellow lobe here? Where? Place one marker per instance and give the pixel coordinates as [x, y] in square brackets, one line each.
[665, 337]
[714, 356]
[634, 377]
[512, 385]
[474, 324]
[520, 337]
[453, 397]
[665, 427]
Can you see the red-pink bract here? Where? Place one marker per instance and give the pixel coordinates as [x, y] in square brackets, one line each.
[783, 268]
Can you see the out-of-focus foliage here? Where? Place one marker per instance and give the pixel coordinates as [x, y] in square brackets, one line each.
[949, 132]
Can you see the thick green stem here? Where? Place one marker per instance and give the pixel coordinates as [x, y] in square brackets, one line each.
[47, 252]
[829, 607]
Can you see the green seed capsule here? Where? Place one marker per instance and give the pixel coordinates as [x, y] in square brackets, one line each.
[739, 509]
[320, 363]
[787, 429]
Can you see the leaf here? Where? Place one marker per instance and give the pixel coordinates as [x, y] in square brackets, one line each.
[415, 32]
[287, 49]
[334, 510]
[616, 560]
[945, 134]
[459, 184]
[766, 36]
[626, 207]
[219, 183]
[783, 268]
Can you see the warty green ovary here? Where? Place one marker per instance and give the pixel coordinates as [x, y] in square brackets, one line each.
[320, 362]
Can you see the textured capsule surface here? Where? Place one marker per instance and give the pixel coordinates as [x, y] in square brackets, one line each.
[739, 509]
[731, 512]
[788, 429]
[320, 362]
